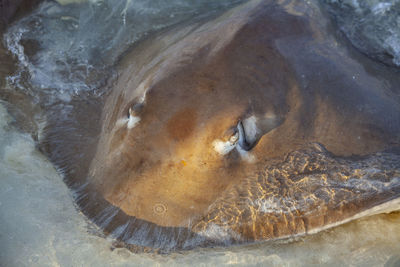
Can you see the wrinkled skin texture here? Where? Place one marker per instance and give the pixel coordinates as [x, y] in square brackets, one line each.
[189, 87]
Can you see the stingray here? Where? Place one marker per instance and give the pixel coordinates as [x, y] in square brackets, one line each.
[260, 124]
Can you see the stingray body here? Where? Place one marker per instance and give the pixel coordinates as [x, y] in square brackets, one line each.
[259, 124]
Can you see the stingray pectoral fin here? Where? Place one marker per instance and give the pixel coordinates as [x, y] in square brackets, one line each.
[309, 192]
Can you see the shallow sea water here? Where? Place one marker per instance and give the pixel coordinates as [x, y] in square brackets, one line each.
[40, 225]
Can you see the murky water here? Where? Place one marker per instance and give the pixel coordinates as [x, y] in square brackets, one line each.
[58, 58]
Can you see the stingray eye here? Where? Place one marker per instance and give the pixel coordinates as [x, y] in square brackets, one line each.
[134, 110]
[133, 115]
[234, 137]
[243, 137]
[231, 135]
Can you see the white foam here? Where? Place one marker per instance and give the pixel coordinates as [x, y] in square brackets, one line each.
[381, 8]
[393, 44]
[12, 39]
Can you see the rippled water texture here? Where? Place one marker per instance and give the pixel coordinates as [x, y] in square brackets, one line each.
[69, 49]
[60, 65]
[373, 26]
